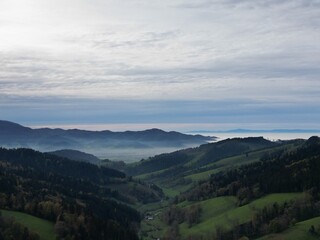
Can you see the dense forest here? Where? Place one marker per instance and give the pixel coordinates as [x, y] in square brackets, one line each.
[74, 195]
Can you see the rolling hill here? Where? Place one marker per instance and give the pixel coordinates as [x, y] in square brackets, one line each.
[268, 192]
[181, 168]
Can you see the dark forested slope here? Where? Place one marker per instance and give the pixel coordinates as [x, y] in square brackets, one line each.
[79, 197]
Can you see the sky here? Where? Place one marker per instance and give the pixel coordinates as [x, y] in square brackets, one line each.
[185, 65]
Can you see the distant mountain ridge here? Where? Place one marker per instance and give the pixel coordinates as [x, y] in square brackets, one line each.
[13, 135]
[243, 130]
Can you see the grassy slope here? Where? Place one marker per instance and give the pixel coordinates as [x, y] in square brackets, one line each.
[216, 212]
[234, 161]
[146, 176]
[226, 163]
[297, 232]
[44, 228]
[223, 212]
[221, 165]
[219, 211]
[195, 155]
[203, 172]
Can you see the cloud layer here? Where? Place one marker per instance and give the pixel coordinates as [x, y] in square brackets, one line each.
[182, 59]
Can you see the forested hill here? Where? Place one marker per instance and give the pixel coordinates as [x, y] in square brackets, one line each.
[80, 198]
[282, 171]
[256, 190]
[194, 158]
[47, 163]
[251, 189]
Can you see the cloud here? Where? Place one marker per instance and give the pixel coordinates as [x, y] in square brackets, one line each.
[192, 115]
[251, 4]
[262, 52]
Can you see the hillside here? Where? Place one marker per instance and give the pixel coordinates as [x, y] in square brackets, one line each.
[274, 194]
[128, 145]
[173, 169]
[61, 191]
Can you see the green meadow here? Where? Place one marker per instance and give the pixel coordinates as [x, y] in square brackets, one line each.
[223, 212]
[44, 228]
[300, 231]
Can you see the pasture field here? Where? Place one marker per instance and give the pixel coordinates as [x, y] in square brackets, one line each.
[299, 231]
[223, 212]
[44, 228]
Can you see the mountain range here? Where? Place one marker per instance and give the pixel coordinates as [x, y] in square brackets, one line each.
[241, 130]
[128, 145]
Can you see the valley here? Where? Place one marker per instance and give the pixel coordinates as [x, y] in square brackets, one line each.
[159, 120]
[239, 188]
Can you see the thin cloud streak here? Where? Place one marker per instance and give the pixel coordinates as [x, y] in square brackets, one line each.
[240, 112]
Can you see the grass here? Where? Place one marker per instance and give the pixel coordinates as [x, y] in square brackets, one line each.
[217, 212]
[297, 232]
[223, 212]
[226, 163]
[44, 228]
[204, 175]
[150, 175]
[152, 207]
[234, 161]
[170, 192]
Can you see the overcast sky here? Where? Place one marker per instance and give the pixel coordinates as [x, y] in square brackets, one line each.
[217, 64]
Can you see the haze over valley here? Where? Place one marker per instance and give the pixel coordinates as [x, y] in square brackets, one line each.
[159, 120]
[128, 146]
